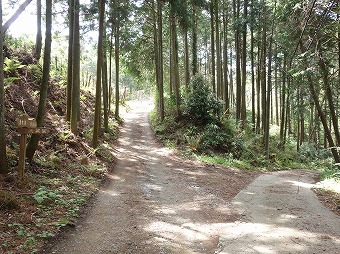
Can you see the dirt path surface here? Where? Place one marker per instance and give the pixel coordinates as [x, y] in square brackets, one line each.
[158, 203]
[281, 214]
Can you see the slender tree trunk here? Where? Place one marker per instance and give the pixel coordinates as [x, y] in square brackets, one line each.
[218, 53]
[212, 44]
[70, 61]
[186, 60]
[33, 143]
[194, 41]
[252, 65]
[175, 61]
[110, 67]
[3, 155]
[329, 94]
[105, 86]
[244, 63]
[38, 40]
[283, 100]
[269, 89]
[97, 112]
[321, 113]
[236, 7]
[225, 59]
[117, 52]
[158, 48]
[258, 84]
[171, 62]
[264, 76]
[75, 104]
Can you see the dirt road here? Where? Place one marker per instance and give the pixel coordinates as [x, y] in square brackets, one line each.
[158, 203]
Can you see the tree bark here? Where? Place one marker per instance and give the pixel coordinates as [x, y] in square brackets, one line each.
[117, 51]
[33, 143]
[244, 63]
[38, 40]
[194, 41]
[3, 155]
[105, 85]
[218, 53]
[70, 61]
[97, 112]
[329, 94]
[225, 61]
[212, 44]
[75, 103]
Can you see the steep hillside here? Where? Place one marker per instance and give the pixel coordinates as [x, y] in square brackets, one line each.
[65, 171]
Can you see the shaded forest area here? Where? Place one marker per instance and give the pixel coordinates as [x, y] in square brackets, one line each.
[252, 84]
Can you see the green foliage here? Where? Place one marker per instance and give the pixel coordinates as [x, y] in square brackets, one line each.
[194, 141]
[43, 194]
[11, 66]
[214, 137]
[200, 104]
[36, 71]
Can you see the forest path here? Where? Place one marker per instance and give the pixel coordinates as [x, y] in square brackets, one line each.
[159, 203]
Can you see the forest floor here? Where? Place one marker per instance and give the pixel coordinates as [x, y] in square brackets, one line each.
[157, 202]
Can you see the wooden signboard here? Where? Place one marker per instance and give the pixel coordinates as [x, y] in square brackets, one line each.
[25, 126]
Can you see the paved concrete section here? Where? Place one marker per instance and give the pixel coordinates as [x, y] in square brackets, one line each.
[282, 214]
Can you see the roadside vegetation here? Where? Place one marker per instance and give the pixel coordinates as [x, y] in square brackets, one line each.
[65, 171]
[206, 133]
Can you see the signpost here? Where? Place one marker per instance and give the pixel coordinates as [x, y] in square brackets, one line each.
[25, 126]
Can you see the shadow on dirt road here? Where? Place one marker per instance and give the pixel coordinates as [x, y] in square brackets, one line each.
[159, 203]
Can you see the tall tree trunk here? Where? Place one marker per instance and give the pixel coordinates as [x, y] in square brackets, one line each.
[244, 63]
[329, 93]
[38, 40]
[75, 104]
[33, 143]
[236, 7]
[160, 58]
[158, 48]
[110, 67]
[269, 89]
[225, 60]
[218, 53]
[252, 63]
[97, 112]
[321, 113]
[194, 41]
[186, 60]
[263, 74]
[258, 83]
[3, 155]
[212, 44]
[283, 100]
[105, 85]
[175, 70]
[70, 60]
[117, 52]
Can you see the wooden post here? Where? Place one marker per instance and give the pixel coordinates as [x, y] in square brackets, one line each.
[25, 126]
[22, 157]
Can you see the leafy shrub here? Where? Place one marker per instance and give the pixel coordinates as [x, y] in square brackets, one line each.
[36, 71]
[11, 66]
[214, 137]
[200, 105]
